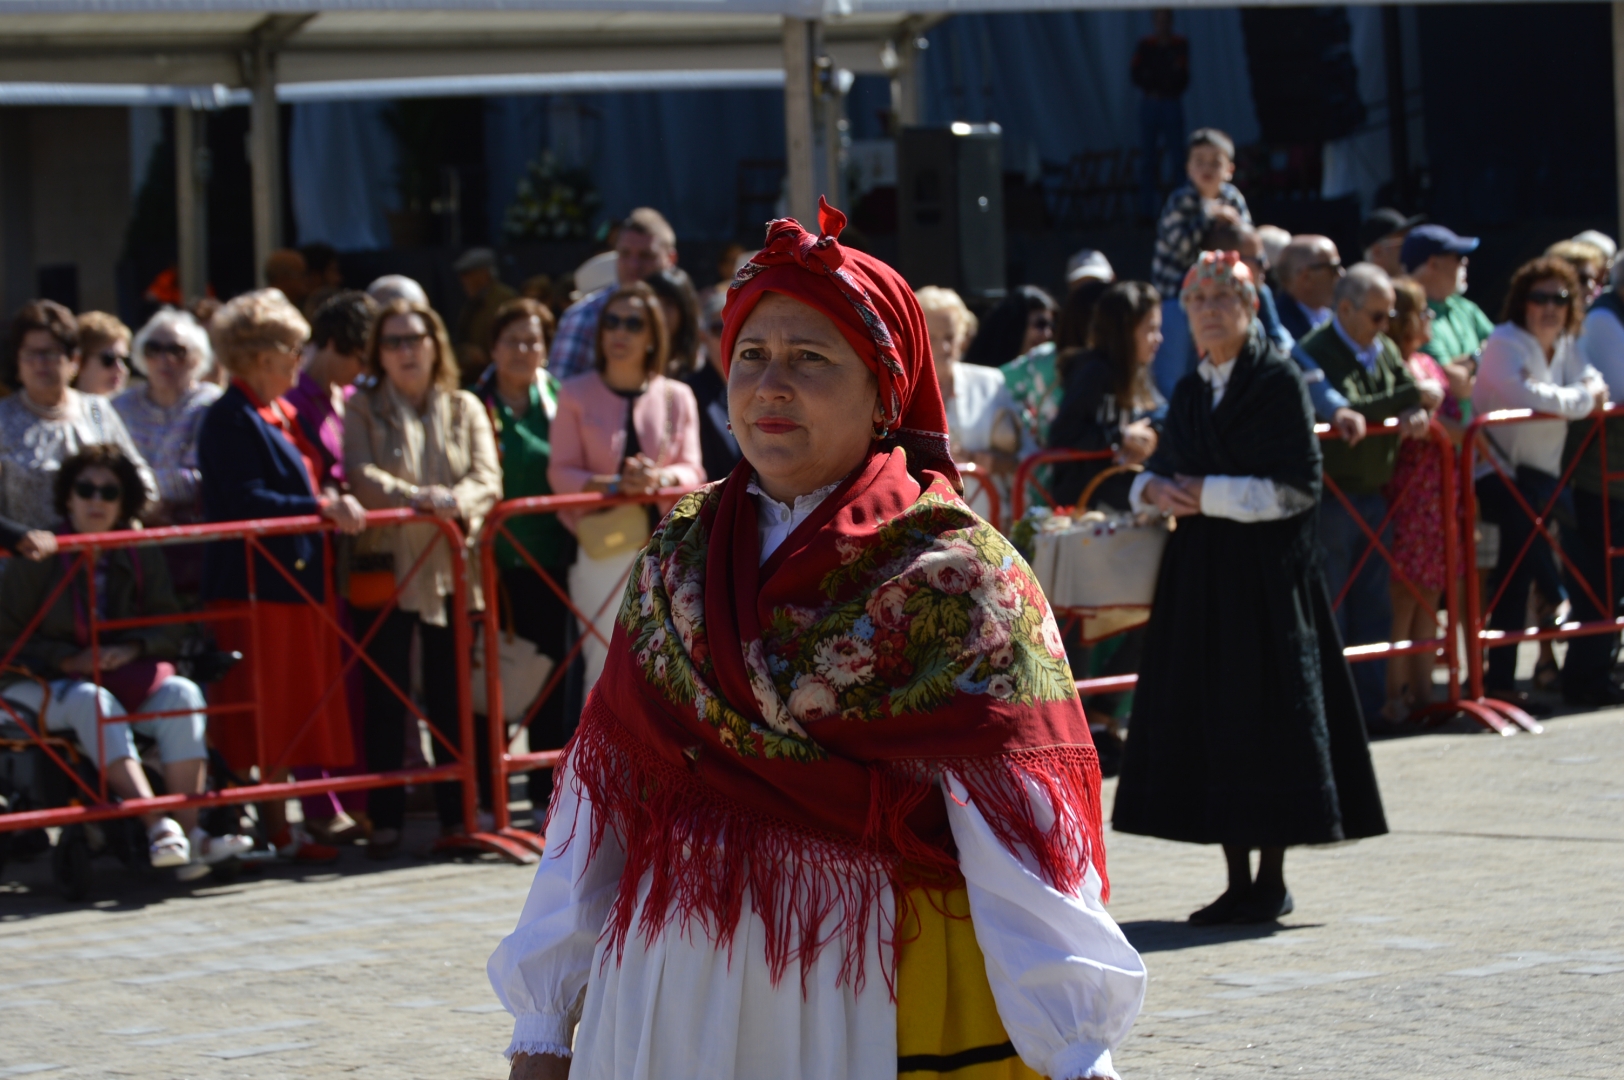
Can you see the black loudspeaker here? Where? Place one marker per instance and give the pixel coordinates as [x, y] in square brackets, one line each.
[950, 208]
[1304, 79]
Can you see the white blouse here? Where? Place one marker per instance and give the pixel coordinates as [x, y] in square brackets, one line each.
[1067, 983]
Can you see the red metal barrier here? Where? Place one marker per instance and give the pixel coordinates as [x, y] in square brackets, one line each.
[986, 485]
[1026, 483]
[96, 805]
[1479, 635]
[503, 763]
[1441, 645]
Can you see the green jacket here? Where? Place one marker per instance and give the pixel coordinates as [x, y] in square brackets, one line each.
[130, 593]
[1385, 391]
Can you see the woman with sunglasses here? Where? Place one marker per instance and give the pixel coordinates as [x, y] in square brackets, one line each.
[57, 672]
[49, 421]
[257, 464]
[104, 344]
[1530, 362]
[413, 439]
[622, 428]
[172, 353]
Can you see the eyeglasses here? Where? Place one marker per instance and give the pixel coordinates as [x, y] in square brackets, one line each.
[1334, 264]
[401, 342]
[112, 358]
[1042, 322]
[1550, 299]
[42, 356]
[633, 324]
[171, 351]
[1379, 317]
[523, 344]
[105, 492]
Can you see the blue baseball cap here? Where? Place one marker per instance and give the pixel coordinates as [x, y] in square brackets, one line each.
[1425, 241]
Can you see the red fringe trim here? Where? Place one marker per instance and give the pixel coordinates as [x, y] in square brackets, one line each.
[700, 851]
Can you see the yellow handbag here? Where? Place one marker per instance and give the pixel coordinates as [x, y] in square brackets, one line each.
[616, 531]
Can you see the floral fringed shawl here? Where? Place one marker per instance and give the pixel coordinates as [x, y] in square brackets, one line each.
[777, 735]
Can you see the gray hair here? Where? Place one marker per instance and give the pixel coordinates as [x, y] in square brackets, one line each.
[1359, 282]
[187, 330]
[1296, 255]
[392, 287]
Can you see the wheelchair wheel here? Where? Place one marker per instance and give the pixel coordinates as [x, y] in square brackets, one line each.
[70, 863]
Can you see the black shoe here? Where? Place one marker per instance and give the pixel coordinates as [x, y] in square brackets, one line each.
[1263, 909]
[1605, 695]
[1221, 910]
[1520, 699]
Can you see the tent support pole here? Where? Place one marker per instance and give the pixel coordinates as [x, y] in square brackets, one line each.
[800, 49]
[191, 202]
[265, 159]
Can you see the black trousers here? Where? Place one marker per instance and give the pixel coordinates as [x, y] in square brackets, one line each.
[386, 713]
[1590, 658]
[541, 616]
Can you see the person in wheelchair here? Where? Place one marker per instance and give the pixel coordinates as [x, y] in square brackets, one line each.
[99, 490]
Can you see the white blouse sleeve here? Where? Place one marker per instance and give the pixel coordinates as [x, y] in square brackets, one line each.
[539, 971]
[1067, 983]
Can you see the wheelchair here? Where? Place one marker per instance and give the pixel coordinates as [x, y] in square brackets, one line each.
[31, 780]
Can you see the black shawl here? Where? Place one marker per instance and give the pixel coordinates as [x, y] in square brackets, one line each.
[1246, 729]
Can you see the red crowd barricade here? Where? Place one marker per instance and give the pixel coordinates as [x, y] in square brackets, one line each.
[978, 484]
[503, 763]
[92, 803]
[1601, 594]
[1027, 484]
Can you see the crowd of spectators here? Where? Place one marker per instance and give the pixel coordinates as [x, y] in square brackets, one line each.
[306, 398]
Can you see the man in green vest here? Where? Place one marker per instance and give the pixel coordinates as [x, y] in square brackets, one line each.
[1364, 366]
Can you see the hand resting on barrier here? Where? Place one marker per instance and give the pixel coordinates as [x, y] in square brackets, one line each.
[1350, 425]
[345, 512]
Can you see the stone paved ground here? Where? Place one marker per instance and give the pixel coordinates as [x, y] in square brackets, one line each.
[1484, 937]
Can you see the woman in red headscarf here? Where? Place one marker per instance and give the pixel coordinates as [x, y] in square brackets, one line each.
[833, 810]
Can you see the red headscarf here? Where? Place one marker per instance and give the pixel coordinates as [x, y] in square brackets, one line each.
[876, 313]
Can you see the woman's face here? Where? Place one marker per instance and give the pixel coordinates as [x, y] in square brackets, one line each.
[1147, 336]
[628, 334]
[171, 366]
[1039, 328]
[946, 344]
[1220, 318]
[95, 501]
[520, 351]
[1547, 311]
[406, 354]
[278, 367]
[105, 371]
[45, 368]
[802, 403]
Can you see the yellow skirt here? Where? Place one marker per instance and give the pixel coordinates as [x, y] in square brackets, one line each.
[947, 1022]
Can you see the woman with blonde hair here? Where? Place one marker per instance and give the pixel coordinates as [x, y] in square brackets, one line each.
[104, 351]
[257, 464]
[413, 439]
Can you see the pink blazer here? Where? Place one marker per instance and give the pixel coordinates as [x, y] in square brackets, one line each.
[589, 433]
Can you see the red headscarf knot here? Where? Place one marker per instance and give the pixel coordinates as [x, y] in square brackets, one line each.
[876, 313]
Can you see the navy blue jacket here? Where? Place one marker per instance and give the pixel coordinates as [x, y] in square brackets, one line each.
[1292, 317]
[250, 471]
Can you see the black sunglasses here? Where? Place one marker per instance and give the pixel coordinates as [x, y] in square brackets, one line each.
[1550, 299]
[1044, 323]
[112, 359]
[105, 492]
[633, 324]
[399, 342]
[154, 348]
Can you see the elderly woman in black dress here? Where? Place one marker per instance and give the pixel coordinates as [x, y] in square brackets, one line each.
[1246, 730]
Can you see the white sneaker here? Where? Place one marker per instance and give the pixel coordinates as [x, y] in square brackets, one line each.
[167, 845]
[209, 850]
[191, 871]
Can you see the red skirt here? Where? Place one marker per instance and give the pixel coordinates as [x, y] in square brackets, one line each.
[296, 663]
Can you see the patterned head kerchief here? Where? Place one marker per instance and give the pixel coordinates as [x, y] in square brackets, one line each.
[1222, 268]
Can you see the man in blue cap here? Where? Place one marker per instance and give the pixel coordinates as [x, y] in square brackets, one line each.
[1436, 258]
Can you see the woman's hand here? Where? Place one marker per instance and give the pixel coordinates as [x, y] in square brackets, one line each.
[641, 476]
[1172, 498]
[112, 658]
[1413, 423]
[345, 512]
[37, 544]
[1138, 443]
[539, 1067]
[436, 499]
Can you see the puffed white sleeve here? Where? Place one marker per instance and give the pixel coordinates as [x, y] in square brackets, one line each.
[1250, 499]
[539, 971]
[1067, 983]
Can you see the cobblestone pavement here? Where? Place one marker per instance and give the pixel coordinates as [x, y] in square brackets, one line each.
[1485, 936]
